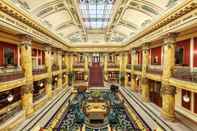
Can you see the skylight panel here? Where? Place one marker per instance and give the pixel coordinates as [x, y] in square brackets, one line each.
[96, 14]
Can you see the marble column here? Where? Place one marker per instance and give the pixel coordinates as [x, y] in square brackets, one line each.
[168, 92]
[59, 58]
[48, 63]
[169, 56]
[145, 89]
[26, 64]
[125, 68]
[168, 102]
[66, 64]
[145, 82]
[133, 83]
[133, 77]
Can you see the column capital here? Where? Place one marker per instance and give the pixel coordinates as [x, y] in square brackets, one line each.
[26, 89]
[169, 38]
[25, 40]
[168, 90]
[144, 80]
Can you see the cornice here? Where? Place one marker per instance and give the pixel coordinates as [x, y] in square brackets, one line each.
[174, 14]
[10, 9]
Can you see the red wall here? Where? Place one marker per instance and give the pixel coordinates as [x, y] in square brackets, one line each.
[195, 52]
[185, 44]
[156, 52]
[13, 47]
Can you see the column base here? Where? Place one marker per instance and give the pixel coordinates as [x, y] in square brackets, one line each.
[168, 117]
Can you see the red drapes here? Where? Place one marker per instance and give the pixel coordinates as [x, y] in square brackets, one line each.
[185, 44]
[156, 54]
[195, 52]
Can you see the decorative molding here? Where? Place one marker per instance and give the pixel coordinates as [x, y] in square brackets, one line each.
[168, 90]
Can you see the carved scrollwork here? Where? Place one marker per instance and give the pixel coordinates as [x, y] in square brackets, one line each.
[168, 90]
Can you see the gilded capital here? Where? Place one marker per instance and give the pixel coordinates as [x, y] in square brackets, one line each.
[169, 38]
[168, 90]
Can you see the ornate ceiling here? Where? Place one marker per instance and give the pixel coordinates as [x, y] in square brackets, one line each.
[109, 22]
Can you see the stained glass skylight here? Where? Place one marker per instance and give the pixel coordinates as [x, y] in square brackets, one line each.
[96, 14]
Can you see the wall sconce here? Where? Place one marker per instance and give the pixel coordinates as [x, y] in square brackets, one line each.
[10, 98]
[41, 84]
[186, 98]
[64, 75]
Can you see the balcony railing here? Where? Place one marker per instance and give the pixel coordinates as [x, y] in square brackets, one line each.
[39, 70]
[39, 95]
[112, 65]
[155, 69]
[184, 73]
[55, 67]
[9, 111]
[138, 67]
[11, 73]
[78, 65]
[128, 66]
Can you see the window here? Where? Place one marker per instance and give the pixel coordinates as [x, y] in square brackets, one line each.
[96, 14]
[179, 56]
[9, 56]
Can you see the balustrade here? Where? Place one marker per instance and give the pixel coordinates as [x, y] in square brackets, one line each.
[155, 69]
[138, 67]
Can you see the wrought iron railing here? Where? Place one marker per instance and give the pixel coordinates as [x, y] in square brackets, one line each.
[138, 67]
[39, 95]
[9, 111]
[39, 70]
[153, 69]
[9, 74]
[184, 73]
[78, 65]
[112, 65]
[128, 66]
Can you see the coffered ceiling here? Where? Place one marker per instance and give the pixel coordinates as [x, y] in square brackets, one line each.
[79, 22]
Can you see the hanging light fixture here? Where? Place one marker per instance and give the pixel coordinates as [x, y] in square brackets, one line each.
[56, 78]
[186, 98]
[10, 98]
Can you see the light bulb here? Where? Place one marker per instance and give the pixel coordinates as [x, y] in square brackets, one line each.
[186, 98]
[10, 98]
[55, 78]
[41, 84]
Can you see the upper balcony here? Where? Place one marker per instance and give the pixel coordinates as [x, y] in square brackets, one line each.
[138, 67]
[155, 69]
[185, 74]
[10, 73]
